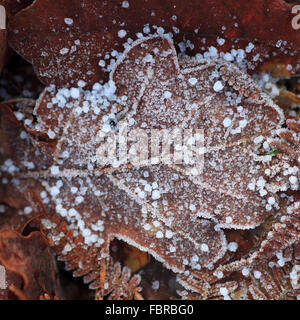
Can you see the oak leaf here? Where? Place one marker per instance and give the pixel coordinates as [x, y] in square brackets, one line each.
[175, 216]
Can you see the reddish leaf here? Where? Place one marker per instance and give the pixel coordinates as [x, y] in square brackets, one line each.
[31, 258]
[3, 35]
[14, 6]
[68, 178]
[11, 8]
[39, 32]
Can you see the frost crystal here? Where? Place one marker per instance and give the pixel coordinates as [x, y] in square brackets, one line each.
[122, 33]
[218, 86]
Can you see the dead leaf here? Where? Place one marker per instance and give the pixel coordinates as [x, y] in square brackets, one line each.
[3, 38]
[11, 7]
[66, 39]
[32, 259]
[287, 99]
[158, 208]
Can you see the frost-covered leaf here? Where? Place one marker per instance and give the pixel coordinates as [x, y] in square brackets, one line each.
[65, 40]
[118, 283]
[217, 291]
[285, 234]
[158, 207]
[274, 283]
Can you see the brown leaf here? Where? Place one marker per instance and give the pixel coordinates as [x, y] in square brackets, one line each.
[14, 6]
[287, 99]
[118, 283]
[161, 208]
[65, 52]
[11, 7]
[3, 38]
[31, 258]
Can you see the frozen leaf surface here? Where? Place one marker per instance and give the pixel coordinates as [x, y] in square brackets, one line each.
[65, 40]
[159, 208]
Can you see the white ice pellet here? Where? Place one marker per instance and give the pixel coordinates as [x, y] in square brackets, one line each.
[219, 274]
[227, 122]
[155, 194]
[228, 219]
[293, 179]
[67, 248]
[262, 192]
[249, 47]
[220, 41]
[72, 212]
[122, 33]
[193, 81]
[51, 134]
[223, 291]
[23, 135]
[54, 191]
[204, 247]
[281, 262]
[27, 210]
[54, 170]
[155, 285]
[271, 200]
[172, 248]
[169, 234]
[213, 52]
[258, 139]
[74, 189]
[228, 57]
[160, 30]
[79, 199]
[147, 226]
[159, 235]
[156, 223]
[43, 194]
[243, 123]
[245, 272]
[154, 185]
[195, 258]
[251, 186]
[64, 51]
[167, 94]
[125, 4]
[261, 182]
[81, 83]
[75, 93]
[257, 274]
[148, 187]
[232, 246]
[218, 86]
[192, 207]
[68, 21]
